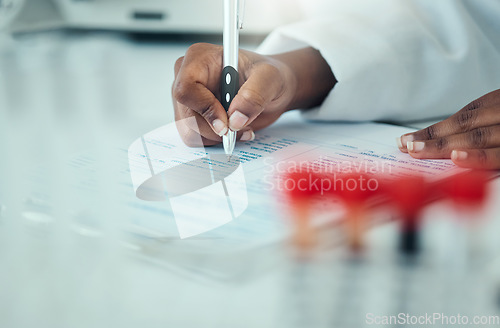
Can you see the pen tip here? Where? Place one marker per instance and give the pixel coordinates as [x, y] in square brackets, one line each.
[229, 141]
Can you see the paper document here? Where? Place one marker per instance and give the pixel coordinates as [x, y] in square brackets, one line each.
[364, 147]
[169, 224]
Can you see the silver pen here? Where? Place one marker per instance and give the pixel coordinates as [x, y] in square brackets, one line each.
[233, 22]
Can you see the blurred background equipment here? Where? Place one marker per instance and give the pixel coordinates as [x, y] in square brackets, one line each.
[172, 16]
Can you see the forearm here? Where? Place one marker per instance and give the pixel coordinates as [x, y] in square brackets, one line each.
[313, 77]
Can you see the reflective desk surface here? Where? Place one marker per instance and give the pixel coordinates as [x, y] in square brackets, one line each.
[64, 95]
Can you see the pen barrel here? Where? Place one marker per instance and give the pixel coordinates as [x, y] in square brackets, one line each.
[229, 86]
[231, 33]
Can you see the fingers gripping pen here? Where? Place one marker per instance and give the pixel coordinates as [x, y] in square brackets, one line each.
[233, 20]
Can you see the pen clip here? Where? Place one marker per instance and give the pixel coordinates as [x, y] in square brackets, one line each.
[241, 13]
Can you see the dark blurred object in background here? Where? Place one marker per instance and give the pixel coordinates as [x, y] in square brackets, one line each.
[159, 16]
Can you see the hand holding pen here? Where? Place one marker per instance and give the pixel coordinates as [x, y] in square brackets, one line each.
[262, 98]
[269, 86]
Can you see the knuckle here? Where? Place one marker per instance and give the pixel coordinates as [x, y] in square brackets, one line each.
[274, 73]
[475, 104]
[482, 157]
[429, 132]
[441, 143]
[196, 47]
[178, 64]
[272, 70]
[479, 137]
[181, 91]
[201, 48]
[208, 112]
[252, 97]
[465, 119]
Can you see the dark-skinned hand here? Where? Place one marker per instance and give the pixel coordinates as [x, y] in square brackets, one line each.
[470, 137]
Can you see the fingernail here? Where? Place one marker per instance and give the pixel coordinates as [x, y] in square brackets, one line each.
[405, 139]
[459, 155]
[247, 136]
[415, 146]
[219, 127]
[237, 121]
[398, 141]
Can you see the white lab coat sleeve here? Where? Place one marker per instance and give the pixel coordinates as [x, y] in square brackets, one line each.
[399, 60]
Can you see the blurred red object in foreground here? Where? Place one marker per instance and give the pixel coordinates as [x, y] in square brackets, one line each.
[467, 189]
[408, 194]
[354, 192]
[304, 236]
